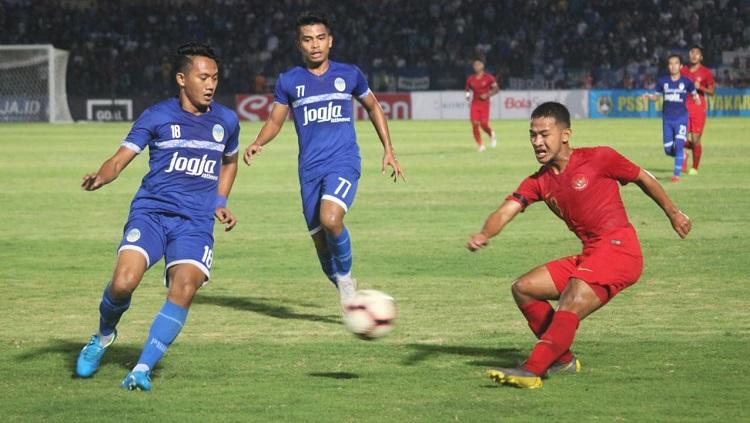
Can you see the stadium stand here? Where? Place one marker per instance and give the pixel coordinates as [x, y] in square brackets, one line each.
[122, 47]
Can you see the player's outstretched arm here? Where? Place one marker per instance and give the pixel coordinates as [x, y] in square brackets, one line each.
[494, 224]
[109, 171]
[679, 220]
[377, 117]
[226, 180]
[270, 129]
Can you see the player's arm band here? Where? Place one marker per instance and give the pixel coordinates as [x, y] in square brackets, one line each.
[221, 202]
[521, 199]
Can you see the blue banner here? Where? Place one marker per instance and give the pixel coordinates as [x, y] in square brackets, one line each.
[729, 102]
[630, 103]
[622, 103]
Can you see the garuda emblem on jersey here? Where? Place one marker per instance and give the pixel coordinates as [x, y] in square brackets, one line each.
[579, 182]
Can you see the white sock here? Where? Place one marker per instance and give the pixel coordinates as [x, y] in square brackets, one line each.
[140, 367]
[106, 340]
[347, 286]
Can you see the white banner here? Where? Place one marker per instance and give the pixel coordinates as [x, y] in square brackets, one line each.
[439, 105]
[430, 105]
[520, 104]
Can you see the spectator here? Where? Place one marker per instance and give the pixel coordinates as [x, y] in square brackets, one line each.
[601, 38]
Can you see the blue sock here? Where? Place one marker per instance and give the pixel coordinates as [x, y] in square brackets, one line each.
[341, 250]
[679, 156]
[669, 149]
[167, 325]
[110, 311]
[329, 268]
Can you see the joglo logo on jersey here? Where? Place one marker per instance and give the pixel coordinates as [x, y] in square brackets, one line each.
[674, 94]
[328, 113]
[194, 167]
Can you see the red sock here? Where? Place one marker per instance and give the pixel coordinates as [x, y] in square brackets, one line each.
[556, 341]
[697, 150]
[539, 315]
[477, 135]
[486, 128]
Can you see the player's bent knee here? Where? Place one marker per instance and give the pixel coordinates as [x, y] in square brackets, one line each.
[521, 286]
[124, 282]
[186, 274]
[332, 219]
[183, 285]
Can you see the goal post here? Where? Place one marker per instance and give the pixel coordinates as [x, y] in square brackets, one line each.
[32, 84]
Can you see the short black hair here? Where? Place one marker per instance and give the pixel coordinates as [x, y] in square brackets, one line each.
[479, 59]
[554, 110]
[696, 46]
[311, 18]
[183, 58]
[674, 55]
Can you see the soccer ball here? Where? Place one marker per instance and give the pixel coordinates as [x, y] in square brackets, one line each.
[370, 314]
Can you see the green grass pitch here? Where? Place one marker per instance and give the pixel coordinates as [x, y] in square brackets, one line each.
[263, 340]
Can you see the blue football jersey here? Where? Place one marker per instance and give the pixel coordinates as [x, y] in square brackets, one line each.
[185, 154]
[323, 114]
[675, 96]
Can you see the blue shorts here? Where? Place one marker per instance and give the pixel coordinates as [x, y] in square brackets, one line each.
[178, 239]
[337, 185]
[674, 130]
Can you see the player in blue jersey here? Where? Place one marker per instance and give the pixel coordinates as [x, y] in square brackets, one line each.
[319, 93]
[675, 89]
[193, 153]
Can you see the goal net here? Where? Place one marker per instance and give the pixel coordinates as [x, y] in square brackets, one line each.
[32, 84]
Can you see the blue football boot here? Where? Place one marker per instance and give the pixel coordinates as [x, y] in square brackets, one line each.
[91, 355]
[137, 381]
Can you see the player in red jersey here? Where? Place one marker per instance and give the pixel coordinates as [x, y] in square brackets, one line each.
[579, 186]
[484, 86]
[704, 82]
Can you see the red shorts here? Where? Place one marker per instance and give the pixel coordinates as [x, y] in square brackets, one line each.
[480, 111]
[609, 265]
[696, 121]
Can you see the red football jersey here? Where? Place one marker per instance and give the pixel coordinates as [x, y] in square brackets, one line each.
[706, 78]
[585, 194]
[480, 86]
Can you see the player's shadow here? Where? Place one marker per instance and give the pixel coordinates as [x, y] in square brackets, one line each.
[483, 356]
[335, 375]
[262, 306]
[123, 355]
[662, 174]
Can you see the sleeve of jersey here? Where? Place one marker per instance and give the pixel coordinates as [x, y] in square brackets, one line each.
[361, 89]
[141, 133]
[526, 193]
[618, 167]
[279, 94]
[233, 143]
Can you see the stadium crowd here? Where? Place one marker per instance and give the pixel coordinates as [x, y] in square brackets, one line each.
[120, 47]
